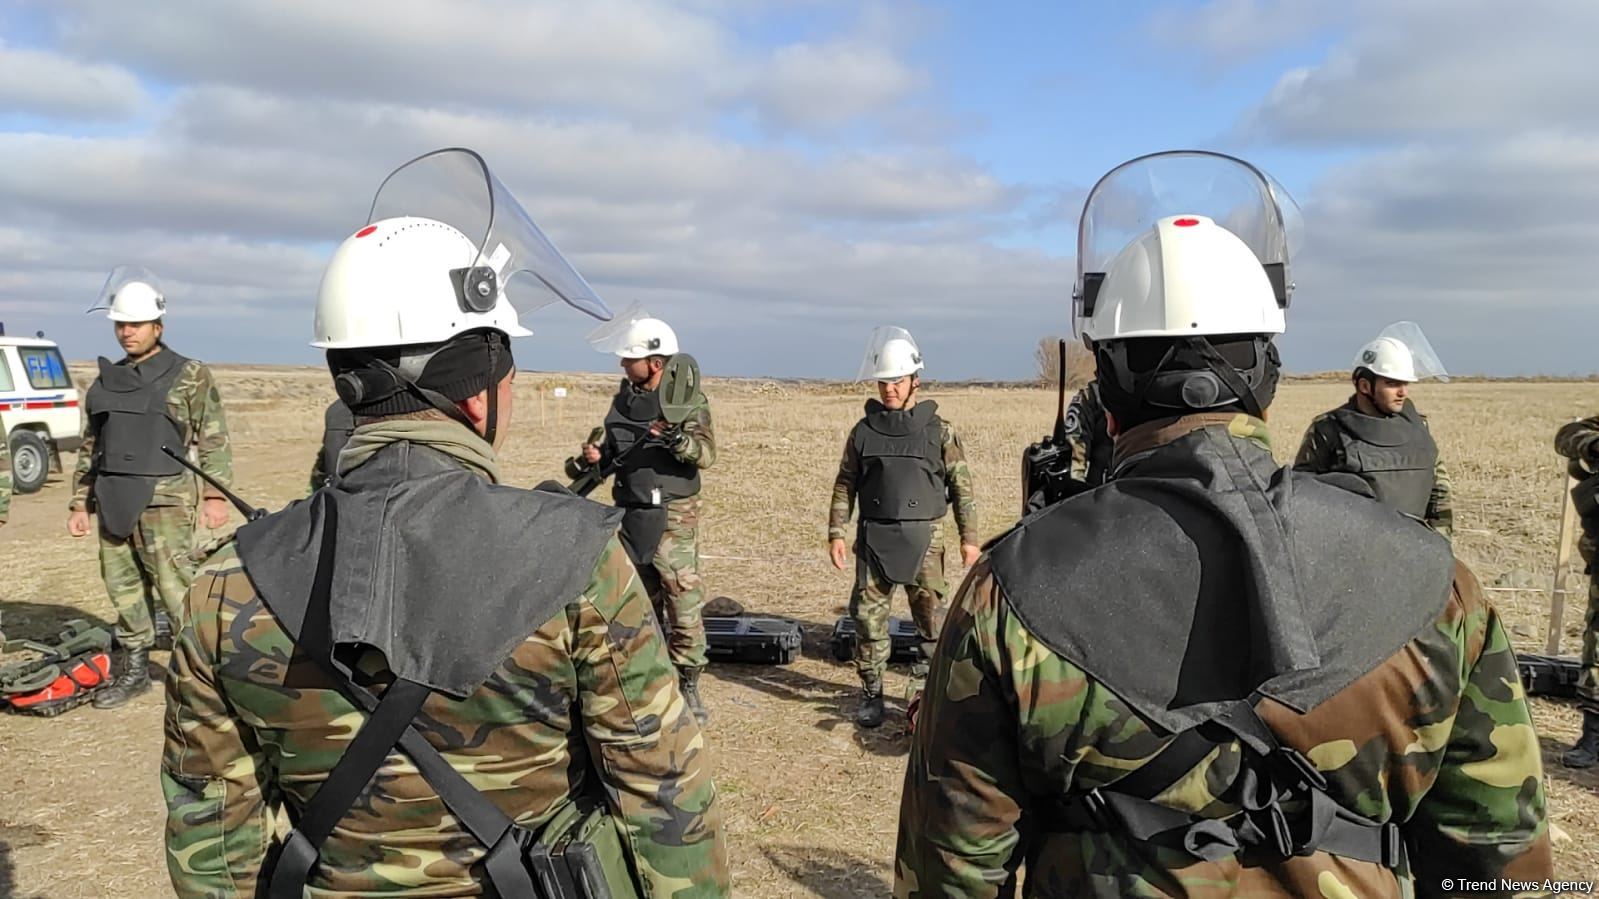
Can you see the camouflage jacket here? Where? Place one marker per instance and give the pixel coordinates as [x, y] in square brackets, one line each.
[957, 477]
[5, 478]
[194, 401]
[1319, 450]
[590, 694]
[1438, 738]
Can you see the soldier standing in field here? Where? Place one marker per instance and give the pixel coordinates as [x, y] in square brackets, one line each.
[1192, 680]
[1380, 436]
[145, 500]
[904, 467]
[1579, 443]
[657, 483]
[428, 670]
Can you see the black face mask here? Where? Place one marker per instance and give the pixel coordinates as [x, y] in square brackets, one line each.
[1142, 379]
[398, 380]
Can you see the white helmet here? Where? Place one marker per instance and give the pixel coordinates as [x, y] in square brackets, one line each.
[132, 293]
[1401, 353]
[635, 334]
[647, 337]
[391, 284]
[1184, 277]
[891, 354]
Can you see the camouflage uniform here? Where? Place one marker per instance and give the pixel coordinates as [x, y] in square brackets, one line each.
[154, 559]
[1318, 452]
[674, 580]
[871, 599]
[1438, 738]
[5, 478]
[590, 693]
[1085, 430]
[1579, 442]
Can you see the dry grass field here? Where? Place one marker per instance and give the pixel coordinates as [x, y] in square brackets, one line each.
[811, 803]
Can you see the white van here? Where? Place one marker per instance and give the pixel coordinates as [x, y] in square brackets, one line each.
[39, 409]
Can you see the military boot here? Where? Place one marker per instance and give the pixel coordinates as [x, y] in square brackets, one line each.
[1586, 753]
[133, 680]
[870, 714]
[688, 680]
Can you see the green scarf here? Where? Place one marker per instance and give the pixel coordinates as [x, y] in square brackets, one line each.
[448, 437]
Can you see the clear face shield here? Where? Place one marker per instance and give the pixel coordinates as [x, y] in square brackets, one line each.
[1128, 201]
[120, 277]
[615, 335]
[1424, 359]
[515, 261]
[891, 354]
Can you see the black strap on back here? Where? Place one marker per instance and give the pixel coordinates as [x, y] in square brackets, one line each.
[389, 724]
[1271, 775]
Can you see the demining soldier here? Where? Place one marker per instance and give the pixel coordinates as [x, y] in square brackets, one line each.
[146, 500]
[1085, 429]
[1579, 442]
[1378, 434]
[1191, 681]
[657, 483]
[904, 467]
[338, 422]
[506, 626]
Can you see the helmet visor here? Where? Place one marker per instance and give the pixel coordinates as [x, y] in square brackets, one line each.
[455, 186]
[120, 277]
[891, 354]
[1132, 197]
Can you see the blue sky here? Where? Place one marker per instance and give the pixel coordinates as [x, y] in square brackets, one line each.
[776, 178]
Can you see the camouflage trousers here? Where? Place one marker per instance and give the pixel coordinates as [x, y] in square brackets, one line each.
[871, 602]
[1588, 679]
[152, 561]
[674, 584]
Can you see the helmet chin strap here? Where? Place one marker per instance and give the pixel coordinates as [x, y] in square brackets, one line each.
[491, 426]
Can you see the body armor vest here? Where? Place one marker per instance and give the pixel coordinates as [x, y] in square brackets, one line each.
[129, 403]
[128, 407]
[439, 571]
[651, 475]
[1229, 579]
[1394, 454]
[901, 454]
[338, 423]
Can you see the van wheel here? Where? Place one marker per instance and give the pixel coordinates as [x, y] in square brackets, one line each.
[30, 461]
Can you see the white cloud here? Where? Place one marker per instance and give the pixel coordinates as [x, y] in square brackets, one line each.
[1230, 31]
[252, 170]
[1486, 247]
[1431, 68]
[825, 86]
[639, 57]
[47, 84]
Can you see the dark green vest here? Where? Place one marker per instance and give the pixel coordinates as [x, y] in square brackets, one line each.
[651, 475]
[1395, 454]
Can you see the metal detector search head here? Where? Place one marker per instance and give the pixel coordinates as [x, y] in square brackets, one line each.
[679, 390]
